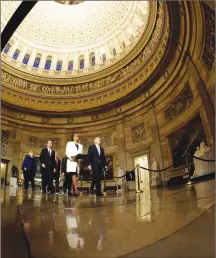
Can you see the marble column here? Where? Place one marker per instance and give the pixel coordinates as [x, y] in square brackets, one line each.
[13, 48]
[86, 60]
[17, 148]
[204, 95]
[54, 63]
[97, 56]
[120, 141]
[156, 144]
[65, 63]
[117, 45]
[126, 38]
[43, 61]
[32, 58]
[64, 139]
[22, 54]
[107, 51]
[75, 61]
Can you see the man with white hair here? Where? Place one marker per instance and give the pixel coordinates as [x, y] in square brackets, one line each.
[96, 162]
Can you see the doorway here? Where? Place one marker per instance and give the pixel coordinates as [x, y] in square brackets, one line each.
[4, 171]
[144, 175]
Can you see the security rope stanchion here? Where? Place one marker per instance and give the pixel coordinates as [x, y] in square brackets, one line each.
[186, 159]
[104, 192]
[81, 176]
[138, 178]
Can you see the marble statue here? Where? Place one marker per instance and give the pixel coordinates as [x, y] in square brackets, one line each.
[14, 171]
[154, 166]
[203, 167]
[120, 172]
[155, 179]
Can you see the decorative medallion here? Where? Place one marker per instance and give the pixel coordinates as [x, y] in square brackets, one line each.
[69, 2]
[70, 120]
[21, 116]
[45, 119]
[95, 117]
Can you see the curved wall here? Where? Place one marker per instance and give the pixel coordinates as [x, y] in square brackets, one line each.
[143, 121]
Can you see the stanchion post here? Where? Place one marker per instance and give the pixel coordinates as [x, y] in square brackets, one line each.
[138, 178]
[104, 181]
[186, 158]
[81, 176]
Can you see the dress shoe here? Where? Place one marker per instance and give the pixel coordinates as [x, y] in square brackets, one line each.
[70, 194]
[99, 194]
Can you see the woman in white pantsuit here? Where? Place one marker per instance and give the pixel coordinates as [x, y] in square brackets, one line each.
[73, 148]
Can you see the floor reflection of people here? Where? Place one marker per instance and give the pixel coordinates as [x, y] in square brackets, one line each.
[193, 197]
[97, 230]
[75, 241]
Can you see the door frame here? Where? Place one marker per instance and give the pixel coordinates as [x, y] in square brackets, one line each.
[6, 162]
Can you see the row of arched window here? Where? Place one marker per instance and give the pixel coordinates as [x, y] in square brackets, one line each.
[49, 59]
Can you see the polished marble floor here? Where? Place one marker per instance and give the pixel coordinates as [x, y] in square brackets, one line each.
[60, 226]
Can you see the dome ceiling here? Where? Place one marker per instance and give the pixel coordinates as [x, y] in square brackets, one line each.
[77, 31]
[93, 86]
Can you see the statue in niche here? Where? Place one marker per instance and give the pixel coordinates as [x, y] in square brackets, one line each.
[203, 167]
[197, 152]
[155, 180]
[120, 173]
[154, 166]
[14, 171]
[203, 148]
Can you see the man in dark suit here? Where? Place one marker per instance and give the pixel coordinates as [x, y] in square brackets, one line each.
[56, 174]
[96, 162]
[63, 171]
[48, 166]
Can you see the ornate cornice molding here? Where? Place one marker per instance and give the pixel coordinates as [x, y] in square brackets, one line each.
[100, 92]
[92, 73]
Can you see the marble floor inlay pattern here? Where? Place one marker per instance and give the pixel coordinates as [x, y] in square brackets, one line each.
[60, 226]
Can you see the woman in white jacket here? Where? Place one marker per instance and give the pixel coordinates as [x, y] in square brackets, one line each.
[73, 148]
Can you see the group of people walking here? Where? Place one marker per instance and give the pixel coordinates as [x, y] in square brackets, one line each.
[52, 167]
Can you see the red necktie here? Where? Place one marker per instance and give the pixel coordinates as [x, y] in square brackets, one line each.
[56, 161]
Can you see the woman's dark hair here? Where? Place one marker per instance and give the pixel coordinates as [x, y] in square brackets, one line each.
[73, 135]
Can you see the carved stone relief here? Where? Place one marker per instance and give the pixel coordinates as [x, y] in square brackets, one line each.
[5, 134]
[208, 56]
[138, 133]
[105, 142]
[181, 103]
[41, 142]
